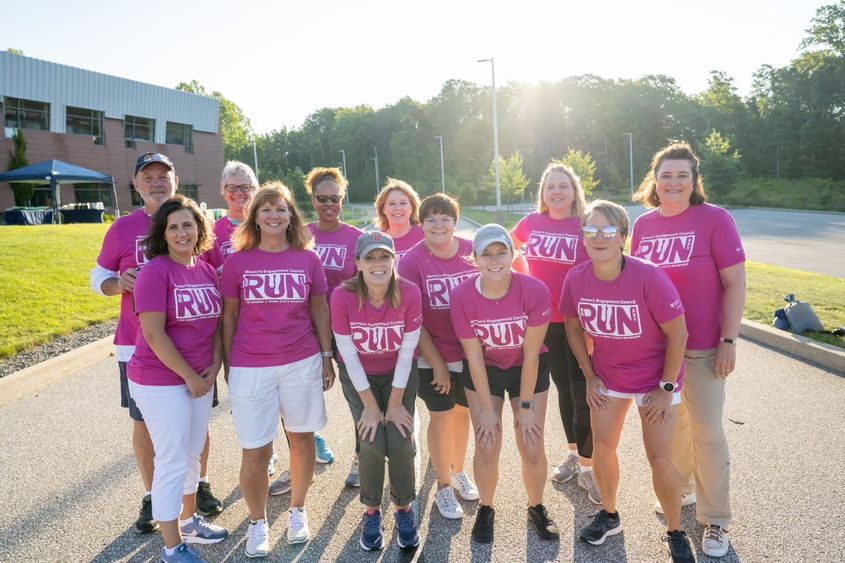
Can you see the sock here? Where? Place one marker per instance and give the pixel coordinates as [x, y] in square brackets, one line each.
[147, 493]
[299, 508]
[573, 453]
[613, 515]
[204, 479]
[186, 522]
[371, 511]
[171, 551]
[585, 468]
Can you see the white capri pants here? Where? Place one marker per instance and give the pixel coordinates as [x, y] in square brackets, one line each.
[178, 426]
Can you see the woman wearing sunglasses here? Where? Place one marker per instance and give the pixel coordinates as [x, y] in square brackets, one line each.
[636, 321]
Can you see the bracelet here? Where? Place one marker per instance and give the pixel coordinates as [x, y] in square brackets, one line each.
[326, 354]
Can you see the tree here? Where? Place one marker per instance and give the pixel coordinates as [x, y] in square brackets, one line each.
[583, 165]
[827, 29]
[13, 51]
[235, 128]
[511, 176]
[17, 159]
[719, 167]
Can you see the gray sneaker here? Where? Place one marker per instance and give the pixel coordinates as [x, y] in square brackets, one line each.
[587, 481]
[183, 554]
[352, 479]
[281, 485]
[568, 469]
[200, 531]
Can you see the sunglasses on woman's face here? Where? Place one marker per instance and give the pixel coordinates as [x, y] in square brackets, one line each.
[607, 232]
[334, 198]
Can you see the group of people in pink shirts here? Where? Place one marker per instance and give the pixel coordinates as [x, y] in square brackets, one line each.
[411, 310]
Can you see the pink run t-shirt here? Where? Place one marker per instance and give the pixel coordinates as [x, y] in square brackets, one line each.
[337, 253]
[405, 243]
[376, 333]
[623, 317]
[274, 321]
[223, 230]
[692, 247]
[122, 250]
[192, 305]
[552, 247]
[436, 278]
[500, 324]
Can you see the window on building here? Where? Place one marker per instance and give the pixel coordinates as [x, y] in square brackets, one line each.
[135, 196]
[138, 129]
[81, 121]
[189, 190]
[26, 114]
[179, 134]
[92, 193]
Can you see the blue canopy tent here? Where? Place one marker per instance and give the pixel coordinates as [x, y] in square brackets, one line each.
[57, 172]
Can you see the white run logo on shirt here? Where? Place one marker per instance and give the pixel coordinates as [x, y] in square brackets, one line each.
[614, 319]
[280, 286]
[667, 250]
[438, 288]
[501, 333]
[331, 255]
[140, 257]
[377, 338]
[196, 302]
[226, 249]
[551, 247]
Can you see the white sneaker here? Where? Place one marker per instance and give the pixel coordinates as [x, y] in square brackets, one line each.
[298, 531]
[447, 504]
[258, 539]
[567, 469]
[686, 500]
[465, 487]
[281, 485]
[271, 467]
[715, 541]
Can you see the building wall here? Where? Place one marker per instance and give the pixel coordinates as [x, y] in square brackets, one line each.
[202, 168]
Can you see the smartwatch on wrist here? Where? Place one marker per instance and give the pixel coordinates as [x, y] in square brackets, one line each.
[668, 386]
[727, 340]
[525, 404]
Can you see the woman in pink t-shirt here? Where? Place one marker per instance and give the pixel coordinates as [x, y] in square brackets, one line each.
[698, 246]
[376, 320]
[635, 318]
[552, 246]
[177, 357]
[238, 185]
[274, 302]
[501, 319]
[437, 265]
[397, 214]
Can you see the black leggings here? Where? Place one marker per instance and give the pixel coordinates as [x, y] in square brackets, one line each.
[571, 390]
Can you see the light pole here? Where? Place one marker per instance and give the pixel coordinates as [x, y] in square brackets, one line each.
[343, 152]
[631, 158]
[375, 158]
[499, 216]
[255, 156]
[442, 166]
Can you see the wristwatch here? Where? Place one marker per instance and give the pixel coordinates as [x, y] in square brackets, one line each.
[727, 340]
[525, 404]
[668, 386]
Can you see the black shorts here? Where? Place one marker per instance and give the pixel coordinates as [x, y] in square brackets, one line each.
[127, 402]
[437, 402]
[508, 380]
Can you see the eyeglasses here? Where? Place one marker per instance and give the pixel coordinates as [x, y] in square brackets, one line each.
[334, 198]
[235, 188]
[607, 232]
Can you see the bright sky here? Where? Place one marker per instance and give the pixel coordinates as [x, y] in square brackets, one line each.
[281, 60]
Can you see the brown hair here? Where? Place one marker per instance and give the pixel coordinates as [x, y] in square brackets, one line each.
[405, 188]
[156, 245]
[615, 213]
[440, 204]
[579, 203]
[320, 174]
[247, 236]
[358, 286]
[647, 192]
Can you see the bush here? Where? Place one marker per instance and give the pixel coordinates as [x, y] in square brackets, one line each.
[819, 194]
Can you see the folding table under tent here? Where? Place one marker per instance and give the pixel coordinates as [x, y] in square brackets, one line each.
[57, 172]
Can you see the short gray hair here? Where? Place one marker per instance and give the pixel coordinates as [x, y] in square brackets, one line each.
[237, 169]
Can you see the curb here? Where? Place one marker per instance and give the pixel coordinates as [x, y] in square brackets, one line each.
[31, 380]
[818, 353]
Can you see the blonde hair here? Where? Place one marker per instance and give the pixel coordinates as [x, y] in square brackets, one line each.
[321, 174]
[405, 188]
[247, 236]
[579, 203]
[647, 192]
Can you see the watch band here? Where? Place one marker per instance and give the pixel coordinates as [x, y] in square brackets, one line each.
[727, 340]
[526, 404]
[326, 354]
[668, 386]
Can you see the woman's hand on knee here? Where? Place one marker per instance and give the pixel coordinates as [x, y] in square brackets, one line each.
[489, 423]
[399, 416]
[371, 419]
[596, 393]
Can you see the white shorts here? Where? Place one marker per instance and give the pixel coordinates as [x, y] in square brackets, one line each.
[638, 397]
[260, 395]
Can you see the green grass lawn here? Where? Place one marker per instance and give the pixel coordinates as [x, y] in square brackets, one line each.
[44, 289]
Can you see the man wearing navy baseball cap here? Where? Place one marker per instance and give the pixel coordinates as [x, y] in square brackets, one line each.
[155, 179]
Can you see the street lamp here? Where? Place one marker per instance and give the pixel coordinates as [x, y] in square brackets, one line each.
[442, 166]
[343, 152]
[499, 216]
[631, 158]
[255, 156]
[375, 158]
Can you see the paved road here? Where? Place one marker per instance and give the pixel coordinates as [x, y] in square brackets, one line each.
[69, 489]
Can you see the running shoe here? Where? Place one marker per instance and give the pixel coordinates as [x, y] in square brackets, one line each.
[679, 548]
[281, 485]
[686, 500]
[200, 531]
[183, 554]
[298, 531]
[324, 453]
[587, 481]
[258, 539]
[352, 478]
[603, 525]
[543, 524]
[207, 503]
[145, 522]
[407, 536]
[567, 469]
[482, 530]
[372, 532]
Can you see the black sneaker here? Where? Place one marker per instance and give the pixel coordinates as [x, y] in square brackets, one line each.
[603, 525]
[544, 525]
[679, 548]
[207, 503]
[145, 522]
[482, 530]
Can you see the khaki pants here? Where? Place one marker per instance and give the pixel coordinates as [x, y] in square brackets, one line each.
[701, 448]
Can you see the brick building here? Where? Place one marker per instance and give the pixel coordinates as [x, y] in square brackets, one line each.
[103, 123]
